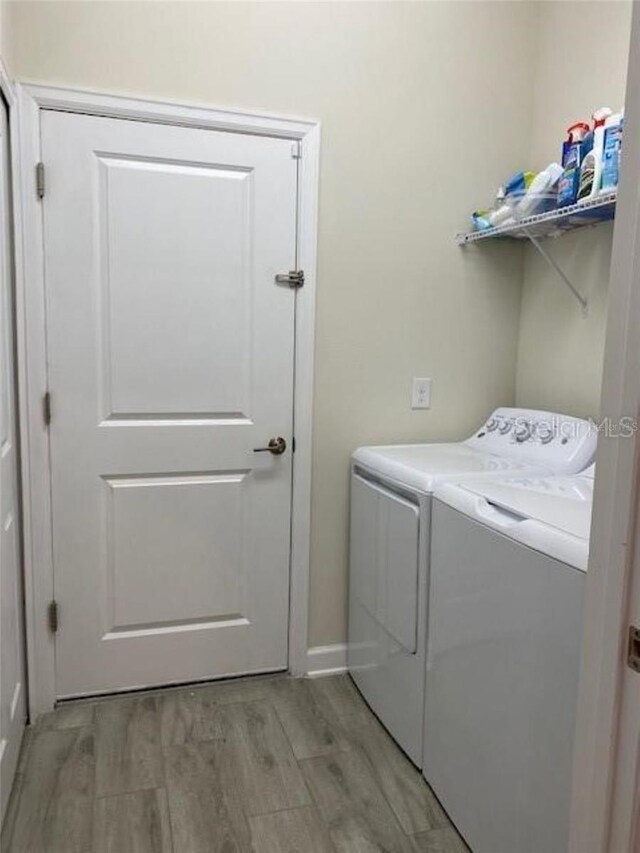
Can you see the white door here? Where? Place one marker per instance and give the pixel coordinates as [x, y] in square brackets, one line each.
[170, 349]
[625, 812]
[12, 669]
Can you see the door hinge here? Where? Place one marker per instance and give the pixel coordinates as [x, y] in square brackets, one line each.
[52, 616]
[633, 649]
[293, 444]
[293, 278]
[40, 180]
[296, 150]
[46, 408]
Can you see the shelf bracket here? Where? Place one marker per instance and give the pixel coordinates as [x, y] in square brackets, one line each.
[586, 212]
[561, 273]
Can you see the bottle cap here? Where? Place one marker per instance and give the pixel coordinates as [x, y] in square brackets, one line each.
[600, 116]
[578, 131]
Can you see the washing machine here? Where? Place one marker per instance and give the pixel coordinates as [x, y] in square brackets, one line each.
[390, 526]
[508, 569]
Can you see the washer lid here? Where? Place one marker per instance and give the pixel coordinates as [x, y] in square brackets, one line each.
[549, 514]
[563, 503]
[423, 466]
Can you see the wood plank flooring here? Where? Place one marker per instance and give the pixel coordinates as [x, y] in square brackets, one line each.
[257, 765]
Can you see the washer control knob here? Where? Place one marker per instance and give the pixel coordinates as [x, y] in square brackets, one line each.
[504, 427]
[492, 423]
[523, 431]
[545, 433]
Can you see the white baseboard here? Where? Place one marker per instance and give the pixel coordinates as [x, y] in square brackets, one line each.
[326, 660]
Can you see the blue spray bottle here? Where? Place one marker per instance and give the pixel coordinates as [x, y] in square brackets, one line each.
[573, 150]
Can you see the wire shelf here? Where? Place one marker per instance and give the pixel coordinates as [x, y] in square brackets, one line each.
[550, 224]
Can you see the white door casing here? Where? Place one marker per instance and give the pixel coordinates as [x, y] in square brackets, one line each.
[12, 665]
[171, 353]
[605, 813]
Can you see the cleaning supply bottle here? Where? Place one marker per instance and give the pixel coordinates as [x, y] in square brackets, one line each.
[542, 193]
[591, 168]
[612, 147]
[572, 154]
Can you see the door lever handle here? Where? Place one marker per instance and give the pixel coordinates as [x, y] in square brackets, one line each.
[277, 446]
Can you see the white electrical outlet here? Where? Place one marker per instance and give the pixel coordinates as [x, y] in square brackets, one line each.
[421, 393]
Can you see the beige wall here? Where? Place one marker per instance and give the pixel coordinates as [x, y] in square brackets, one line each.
[424, 109]
[6, 34]
[560, 351]
[408, 146]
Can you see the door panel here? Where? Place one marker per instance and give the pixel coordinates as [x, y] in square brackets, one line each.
[164, 327]
[12, 666]
[401, 520]
[363, 556]
[171, 358]
[197, 522]
[384, 554]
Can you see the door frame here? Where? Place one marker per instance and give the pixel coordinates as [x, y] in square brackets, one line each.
[32, 352]
[9, 93]
[603, 778]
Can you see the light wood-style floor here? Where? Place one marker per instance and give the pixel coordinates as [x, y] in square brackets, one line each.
[269, 765]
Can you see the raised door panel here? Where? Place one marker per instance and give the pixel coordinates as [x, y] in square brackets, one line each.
[175, 552]
[176, 287]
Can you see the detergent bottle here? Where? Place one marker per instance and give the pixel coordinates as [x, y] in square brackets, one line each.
[572, 155]
[612, 147]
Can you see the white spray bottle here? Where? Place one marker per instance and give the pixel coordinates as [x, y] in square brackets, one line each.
[591, 169]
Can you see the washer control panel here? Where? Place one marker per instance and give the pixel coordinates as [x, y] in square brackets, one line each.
[522, 429]
[561, 443]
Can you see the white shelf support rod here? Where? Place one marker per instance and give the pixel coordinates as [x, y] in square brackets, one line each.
[554, 264]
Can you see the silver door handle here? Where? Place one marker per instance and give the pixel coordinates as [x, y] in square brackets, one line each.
[277, 446]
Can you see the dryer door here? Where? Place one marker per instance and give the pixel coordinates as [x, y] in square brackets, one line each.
[385, 533]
